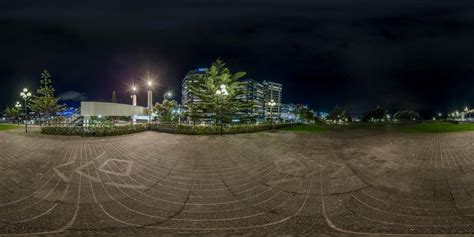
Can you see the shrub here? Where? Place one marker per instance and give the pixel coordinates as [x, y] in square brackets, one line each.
[93, 131]
[166, 128]
[212, 130]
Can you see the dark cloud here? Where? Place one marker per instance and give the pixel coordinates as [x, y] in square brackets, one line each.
[358, 54]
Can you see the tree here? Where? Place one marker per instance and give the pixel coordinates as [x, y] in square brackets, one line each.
[376, 115]
[166, 111]
[213, 106]
[12, 112]
[339, 115]
[45, 103]
[406, 115]
[114, 97]
[306, 115]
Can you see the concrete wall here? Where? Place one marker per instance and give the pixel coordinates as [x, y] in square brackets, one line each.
[90, 108]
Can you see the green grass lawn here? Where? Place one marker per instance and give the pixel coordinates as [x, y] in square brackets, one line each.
[313, 128]
[437, 127]
[7, 126]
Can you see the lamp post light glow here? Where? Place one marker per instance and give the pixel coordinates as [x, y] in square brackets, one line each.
[221, 93]
[167, 95]
[271, 104]
[25, 94]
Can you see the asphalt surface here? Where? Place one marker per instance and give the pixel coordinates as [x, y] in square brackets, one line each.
[352, 182]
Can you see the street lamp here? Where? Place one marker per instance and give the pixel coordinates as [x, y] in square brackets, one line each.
[221, 93]
[134, 96]
[271, 104]
[150, 99]
[167, 95]
[25, 94]
[18, 106]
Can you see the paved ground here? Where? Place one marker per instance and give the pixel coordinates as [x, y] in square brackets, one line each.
[273, 183]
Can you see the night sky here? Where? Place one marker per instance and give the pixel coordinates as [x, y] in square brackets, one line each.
[359, 54]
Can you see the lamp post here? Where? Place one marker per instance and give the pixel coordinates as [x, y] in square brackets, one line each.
[18, 106]
[150, 100]
[134, 96]
[25, 94]
[271, 104]
[167, 95]
[221, 93]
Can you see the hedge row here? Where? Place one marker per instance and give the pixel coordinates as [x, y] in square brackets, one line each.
[166, 128]
[93, 131]
[212, 130]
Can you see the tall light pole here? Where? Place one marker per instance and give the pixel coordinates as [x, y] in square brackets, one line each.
[18, 106]
[271, 104]
[150, 99]
[134, 96]
[167, 95]
[25, 94]
[221, 93]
